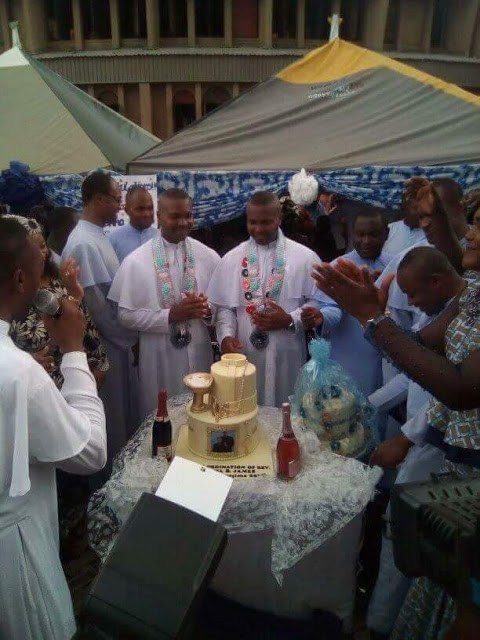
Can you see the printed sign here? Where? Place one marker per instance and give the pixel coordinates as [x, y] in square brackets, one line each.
[125, 182]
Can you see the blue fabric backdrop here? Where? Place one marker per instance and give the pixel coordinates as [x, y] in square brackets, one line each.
[222, 195]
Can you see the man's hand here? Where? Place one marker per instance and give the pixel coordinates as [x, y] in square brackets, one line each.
[391, 453]
[44, 358]
[69, 272]
[67, 331]
[423, 194]
[355, 293]
[231, 345]
[272, 320]
[311, 317]
[192, 307]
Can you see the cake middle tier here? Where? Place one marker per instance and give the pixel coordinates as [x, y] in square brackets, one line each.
[223, 438]
[234, 381]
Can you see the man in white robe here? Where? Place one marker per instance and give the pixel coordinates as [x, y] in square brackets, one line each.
[41, 428]
[258, 291]
[348, 346]
[404, 233]
[174, 338]
[430, 283]
[98, 263]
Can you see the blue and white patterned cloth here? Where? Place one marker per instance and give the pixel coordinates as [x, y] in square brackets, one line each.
[222, 195]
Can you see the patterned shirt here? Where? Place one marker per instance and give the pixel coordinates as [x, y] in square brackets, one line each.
[461, 428]
[30, 335]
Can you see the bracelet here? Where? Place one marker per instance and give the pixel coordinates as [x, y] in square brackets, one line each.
[75, 300]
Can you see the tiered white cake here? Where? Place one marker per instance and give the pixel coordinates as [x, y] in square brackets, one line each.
[228, 428]
[334, 415]
[222, 430]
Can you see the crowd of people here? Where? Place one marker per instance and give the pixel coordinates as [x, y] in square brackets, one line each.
[139, 310]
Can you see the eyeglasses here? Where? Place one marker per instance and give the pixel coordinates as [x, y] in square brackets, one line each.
[118, 199]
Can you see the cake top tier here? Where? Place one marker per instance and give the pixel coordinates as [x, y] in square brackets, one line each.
[234, 378]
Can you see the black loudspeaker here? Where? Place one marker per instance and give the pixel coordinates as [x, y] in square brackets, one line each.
[153, 579]
[436, 533]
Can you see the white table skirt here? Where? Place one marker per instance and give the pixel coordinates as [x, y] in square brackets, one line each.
[292, 546]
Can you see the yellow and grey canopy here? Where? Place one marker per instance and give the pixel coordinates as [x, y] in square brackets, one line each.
[56, 128]
[339, 106]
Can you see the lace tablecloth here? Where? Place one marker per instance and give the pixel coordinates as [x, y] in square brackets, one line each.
[302, 514]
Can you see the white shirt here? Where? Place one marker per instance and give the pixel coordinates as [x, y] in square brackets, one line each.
[401, 237]
[40, 428]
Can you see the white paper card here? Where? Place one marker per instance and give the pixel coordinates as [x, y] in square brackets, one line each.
[195, 487]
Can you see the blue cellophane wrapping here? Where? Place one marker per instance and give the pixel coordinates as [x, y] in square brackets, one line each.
[321, 379]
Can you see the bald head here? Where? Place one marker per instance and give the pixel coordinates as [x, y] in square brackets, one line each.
[428, 279]
[425, 262]
[139, 207]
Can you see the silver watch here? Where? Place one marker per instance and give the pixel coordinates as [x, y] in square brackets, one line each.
[371, 324]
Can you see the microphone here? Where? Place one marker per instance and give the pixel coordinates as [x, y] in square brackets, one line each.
[47, 302]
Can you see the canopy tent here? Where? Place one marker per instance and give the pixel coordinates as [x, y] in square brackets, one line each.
[361, 122]
[56, 128]
[339, 106]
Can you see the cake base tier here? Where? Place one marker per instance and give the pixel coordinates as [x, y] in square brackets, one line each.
[257, 464]
[222, 438]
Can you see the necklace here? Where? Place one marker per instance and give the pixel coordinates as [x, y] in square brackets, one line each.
[180, 336]
[254, 291]
[229, 409]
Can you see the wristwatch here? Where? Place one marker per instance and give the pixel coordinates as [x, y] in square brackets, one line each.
[371, 324]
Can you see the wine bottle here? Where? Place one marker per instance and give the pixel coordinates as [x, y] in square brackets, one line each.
[288, 449]
[162, 430]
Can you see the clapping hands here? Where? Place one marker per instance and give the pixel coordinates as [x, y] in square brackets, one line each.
[352, 288]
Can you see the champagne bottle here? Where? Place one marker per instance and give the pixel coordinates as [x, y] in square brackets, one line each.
[288, 449]
[162, 430]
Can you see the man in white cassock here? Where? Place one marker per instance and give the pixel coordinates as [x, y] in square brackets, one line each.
[404, 233]
[258, 291]
[160, 292]
[98, 263]
[41, 428]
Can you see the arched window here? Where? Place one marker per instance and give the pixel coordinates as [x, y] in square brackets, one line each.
[110, 99]
[183, 109]
[213, 98]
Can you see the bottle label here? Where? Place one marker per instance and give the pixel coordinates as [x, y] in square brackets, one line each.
[293, 468]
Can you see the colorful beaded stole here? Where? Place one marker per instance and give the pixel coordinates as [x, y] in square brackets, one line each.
[255, 295]
[180, 336]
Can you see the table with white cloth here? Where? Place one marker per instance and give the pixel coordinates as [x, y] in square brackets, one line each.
[292, 546]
